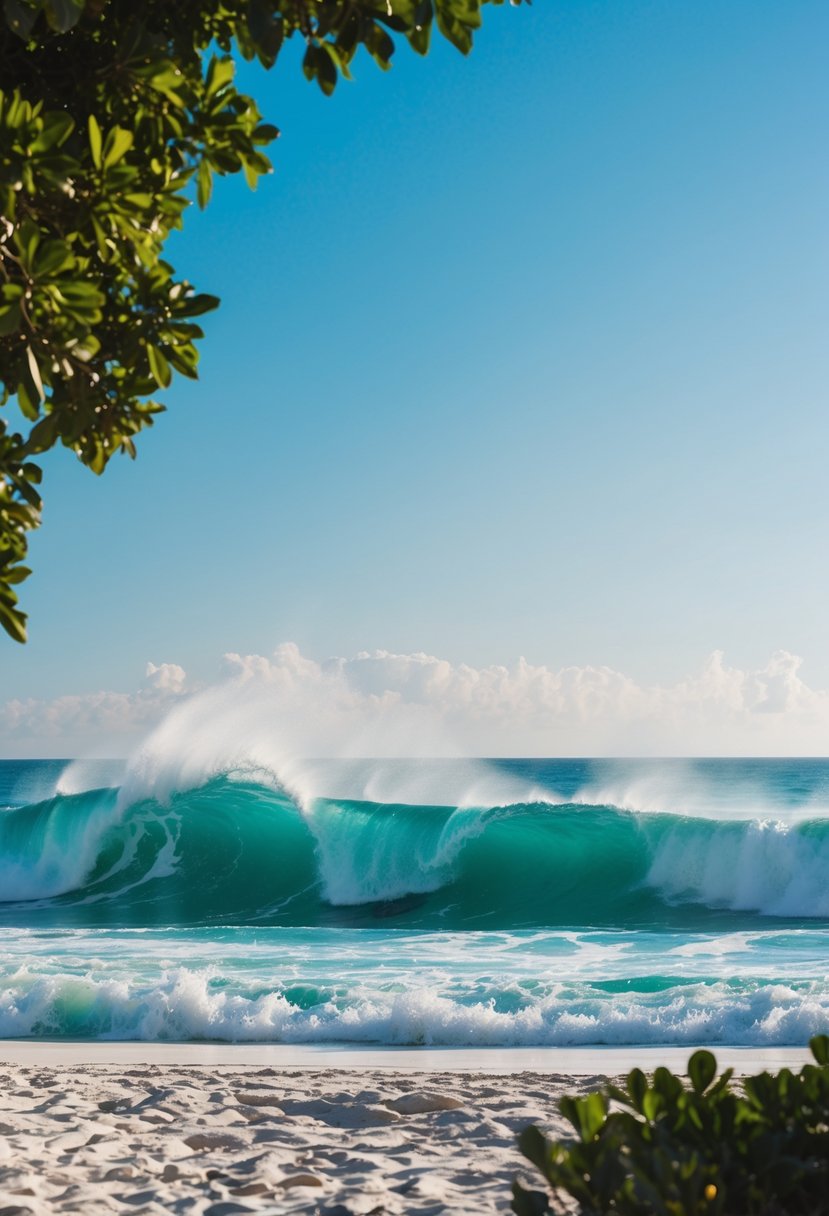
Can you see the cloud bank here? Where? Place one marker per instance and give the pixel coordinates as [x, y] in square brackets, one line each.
[379, 703]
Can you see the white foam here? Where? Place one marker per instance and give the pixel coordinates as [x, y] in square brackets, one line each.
[188, 1004]
[363, 856]
[770, 867]
[683, 787]
[82, 775]
[715, 947]
[65, 855]
[276, 722]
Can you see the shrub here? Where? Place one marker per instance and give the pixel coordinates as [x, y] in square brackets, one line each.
[696, 1147]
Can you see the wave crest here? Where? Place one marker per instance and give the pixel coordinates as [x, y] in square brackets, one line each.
[238, 851]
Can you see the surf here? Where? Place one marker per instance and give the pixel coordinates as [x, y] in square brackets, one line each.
[272, 985]
[241, 849]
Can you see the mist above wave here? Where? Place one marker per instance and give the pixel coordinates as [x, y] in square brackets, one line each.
[236, 851]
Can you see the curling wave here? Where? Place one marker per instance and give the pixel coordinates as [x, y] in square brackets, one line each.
[236, 851]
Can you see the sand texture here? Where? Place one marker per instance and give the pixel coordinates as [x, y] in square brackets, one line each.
[219, 1141]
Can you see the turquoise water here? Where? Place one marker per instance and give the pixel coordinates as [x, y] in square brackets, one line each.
[494, 903]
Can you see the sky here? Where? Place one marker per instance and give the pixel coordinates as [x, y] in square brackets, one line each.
[521, 357]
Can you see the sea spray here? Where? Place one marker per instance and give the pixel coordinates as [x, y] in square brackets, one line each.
[233, 850]
[238, 894]
[370, 986]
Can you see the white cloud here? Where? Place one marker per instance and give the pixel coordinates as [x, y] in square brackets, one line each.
[97, 723]
[166, 677]
[383, 703]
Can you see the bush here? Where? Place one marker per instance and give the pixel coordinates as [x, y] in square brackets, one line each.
[670, 1148]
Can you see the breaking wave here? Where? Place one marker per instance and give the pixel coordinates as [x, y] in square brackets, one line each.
[183, 1004]
[240, 849]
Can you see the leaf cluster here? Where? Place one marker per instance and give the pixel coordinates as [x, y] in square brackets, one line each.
[113, 115]
[665, 1147]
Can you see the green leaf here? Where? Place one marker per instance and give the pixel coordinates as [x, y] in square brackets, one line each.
[141, 202]
[420, 39]
[266, 30]
[13, 621]
[118, 143]
[56, 130]
[95, 456]
[20, 17]
[586, 1114]
[637, 1087]
[51, 257]
[159, 367]
[721, 1083]
[196, 306]
[423, 13]
[11, 318]
[533, 1145]
[43, 434]
[94, 140]
[108, 112]
[204, 184]
[702, 1068]
[667, 1085]
[219, 73]
[27, 239]
[82, 293]
[819, 1047]
[265, 133]
[526, 1202]
[167, 80]
[62, 15]
[16, 575]
[27, 399]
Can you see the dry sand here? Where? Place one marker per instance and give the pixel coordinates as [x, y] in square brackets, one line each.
[144, 1134]
[218, 1141]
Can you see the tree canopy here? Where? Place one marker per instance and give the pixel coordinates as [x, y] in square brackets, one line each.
[114, 116]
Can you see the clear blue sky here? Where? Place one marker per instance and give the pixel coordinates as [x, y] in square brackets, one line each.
[519, 354]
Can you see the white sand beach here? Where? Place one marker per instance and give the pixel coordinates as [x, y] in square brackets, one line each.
[98, 1128]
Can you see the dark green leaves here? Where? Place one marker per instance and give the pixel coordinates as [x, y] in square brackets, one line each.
[92, 321]
[19, 514]
[118, 142]
[220, 73]
[114, 115]
[702, 1068]
[708, 1150]
[20, 16]
[95, 141]
[819, 1047]
[159, 367]
[586, 1114]
[526, 1202]
[60, 15]
[534, 1147]
[195, 306]
[266, 31]
[63, 14]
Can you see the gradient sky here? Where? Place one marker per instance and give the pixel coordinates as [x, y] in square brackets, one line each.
[523, 354]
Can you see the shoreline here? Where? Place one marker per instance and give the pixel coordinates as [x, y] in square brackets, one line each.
[596, 1060]
[219, 1130]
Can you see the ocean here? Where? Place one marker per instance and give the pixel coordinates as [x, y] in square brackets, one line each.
[459, 903]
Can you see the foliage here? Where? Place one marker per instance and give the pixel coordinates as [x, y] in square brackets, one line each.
[668, 1149]
[112, 113]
